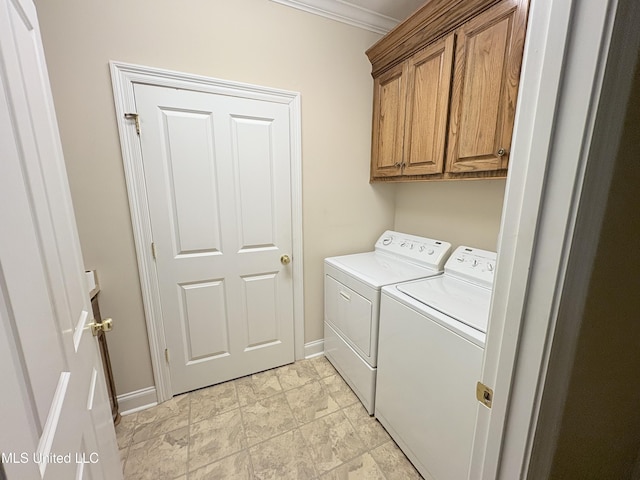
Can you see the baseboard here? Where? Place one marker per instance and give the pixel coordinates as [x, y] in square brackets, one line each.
[146, 397]
[139, 400]
[313, 349]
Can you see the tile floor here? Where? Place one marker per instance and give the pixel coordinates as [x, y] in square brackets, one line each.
[300, 421]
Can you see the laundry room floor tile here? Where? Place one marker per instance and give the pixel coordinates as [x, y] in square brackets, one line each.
[333, 440]
[363, 467]
[296, 375]
[258, 386]
[211, 401]
[323, 366]
[215, 438]
[233, 467]
[160, 457]
[300, 421]
[368, 428]
[310, 402]
[339, 390]
[393, 463]
[267, 418]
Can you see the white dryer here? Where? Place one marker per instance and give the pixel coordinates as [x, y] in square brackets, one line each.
[432, 336]
[352, 286]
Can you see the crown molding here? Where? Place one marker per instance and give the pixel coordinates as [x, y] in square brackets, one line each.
[345, 12]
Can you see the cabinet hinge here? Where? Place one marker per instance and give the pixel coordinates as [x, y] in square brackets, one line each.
[484, 394]
[136, 118]
[153, 250]
[166, 354]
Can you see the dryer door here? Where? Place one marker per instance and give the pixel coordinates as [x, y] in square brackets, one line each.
[350, 313]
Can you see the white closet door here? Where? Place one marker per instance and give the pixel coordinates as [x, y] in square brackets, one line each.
[217, 174]
[56, 414]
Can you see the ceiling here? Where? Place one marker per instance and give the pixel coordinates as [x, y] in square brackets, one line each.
[379, 16]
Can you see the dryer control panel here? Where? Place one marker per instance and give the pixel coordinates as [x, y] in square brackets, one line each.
[419, 250]
[473, 265]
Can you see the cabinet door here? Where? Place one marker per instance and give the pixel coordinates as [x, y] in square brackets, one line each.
[485, 87]
[428, 85]
[389, 99]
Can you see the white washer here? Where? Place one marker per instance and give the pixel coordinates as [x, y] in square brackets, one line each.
[432, 336]
[352, 286]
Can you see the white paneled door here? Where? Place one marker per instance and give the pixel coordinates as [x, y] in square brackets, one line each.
[56, 418]
[217, 175]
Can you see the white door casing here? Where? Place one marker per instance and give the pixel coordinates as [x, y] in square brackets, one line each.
[55, 410]
[567, 49]
[204, 200]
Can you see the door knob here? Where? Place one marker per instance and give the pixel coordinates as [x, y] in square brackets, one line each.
[105, 326]
[285, 259]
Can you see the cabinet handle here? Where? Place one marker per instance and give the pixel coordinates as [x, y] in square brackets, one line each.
[501, 152]
[345, 296]
[397, 164]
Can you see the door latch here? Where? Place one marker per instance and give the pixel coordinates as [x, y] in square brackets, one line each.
[484, 394]
[105, 326]
[136, 118]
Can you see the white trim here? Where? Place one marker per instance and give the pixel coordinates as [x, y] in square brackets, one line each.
[296, 226]
[620, 48]
[123, 77]
[314, 349]
[539, 86]
[139, 400]
[345, 12]
[565, 55]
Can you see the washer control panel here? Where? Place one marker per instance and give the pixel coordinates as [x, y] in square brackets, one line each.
[421, 250]
[472, 264]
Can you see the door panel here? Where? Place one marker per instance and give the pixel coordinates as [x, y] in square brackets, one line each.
[486, 57]
[191, 186]
[217, 173]
[254, 168]
[485, 88]
[429, 82]
[205, 318]
[57, 398]
[260, 298]
[389, 99]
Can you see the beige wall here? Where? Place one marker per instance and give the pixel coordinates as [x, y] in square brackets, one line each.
[253, 41]
[459, 212]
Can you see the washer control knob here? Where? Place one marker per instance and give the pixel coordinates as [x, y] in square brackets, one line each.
[421, 248]
[430, 251]
[490, 267]
[475, 263]
[387, 240]
[460, 259]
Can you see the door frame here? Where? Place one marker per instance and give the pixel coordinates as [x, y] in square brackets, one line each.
[124, 76]
[575, 81]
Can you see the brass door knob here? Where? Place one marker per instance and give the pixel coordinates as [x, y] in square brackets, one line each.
[501, 152]
[105, 326]
[285, 259]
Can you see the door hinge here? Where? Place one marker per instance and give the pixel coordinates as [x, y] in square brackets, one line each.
[153, 251]
[484, 394]
[136, 118]
[166, 354]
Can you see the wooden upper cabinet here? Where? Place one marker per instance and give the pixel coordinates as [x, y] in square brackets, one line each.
[388, 122]
[445, 89]
[428, 84]
[485, 88]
